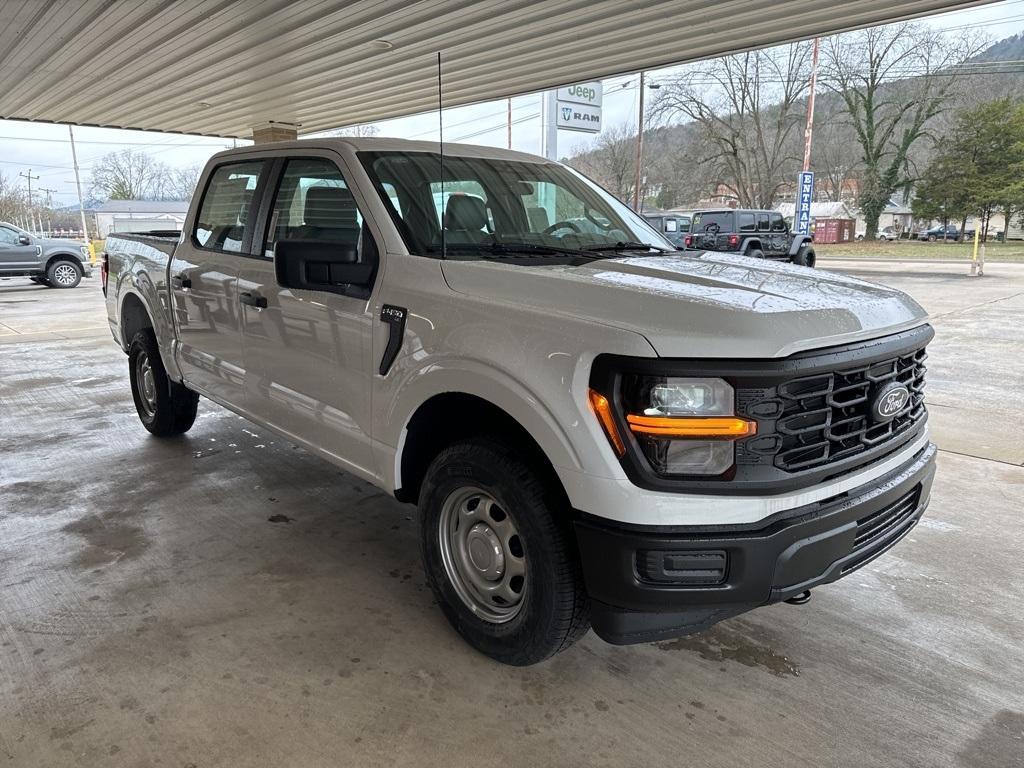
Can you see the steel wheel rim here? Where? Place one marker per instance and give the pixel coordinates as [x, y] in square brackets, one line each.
[146, 383]
[65, 274]
[483, 554]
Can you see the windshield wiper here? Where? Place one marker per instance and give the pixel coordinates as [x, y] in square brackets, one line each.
[504, 249]
[626, 246]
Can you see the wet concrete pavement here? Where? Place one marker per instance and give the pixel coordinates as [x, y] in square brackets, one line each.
[226, 599]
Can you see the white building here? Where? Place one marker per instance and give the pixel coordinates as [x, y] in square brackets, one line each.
[140, 215]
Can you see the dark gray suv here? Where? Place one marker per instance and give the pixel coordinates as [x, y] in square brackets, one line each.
[45, 260]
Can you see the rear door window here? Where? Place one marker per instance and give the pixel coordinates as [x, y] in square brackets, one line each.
[226, 213]
[746, 222]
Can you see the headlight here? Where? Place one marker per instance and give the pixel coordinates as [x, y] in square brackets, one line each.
[683, 426]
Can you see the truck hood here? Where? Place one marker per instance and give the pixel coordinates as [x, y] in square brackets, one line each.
[55, 242]
[700, 305]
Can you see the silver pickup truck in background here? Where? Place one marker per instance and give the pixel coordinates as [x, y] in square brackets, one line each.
[45, 260]
[599, 430]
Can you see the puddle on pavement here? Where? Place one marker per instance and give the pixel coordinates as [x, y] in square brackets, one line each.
[720, 644]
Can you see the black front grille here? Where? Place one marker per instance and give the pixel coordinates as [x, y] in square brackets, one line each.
[827, 417]
[874, 528]
[879, 529]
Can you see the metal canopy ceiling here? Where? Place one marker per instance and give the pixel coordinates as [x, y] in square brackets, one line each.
[221, 67]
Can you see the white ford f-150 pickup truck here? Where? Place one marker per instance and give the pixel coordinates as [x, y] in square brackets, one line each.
[599, 430]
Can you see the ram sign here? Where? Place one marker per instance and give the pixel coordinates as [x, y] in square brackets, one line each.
[578, 107]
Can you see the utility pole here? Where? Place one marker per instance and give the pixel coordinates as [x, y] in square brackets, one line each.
[510, 123]
[49, 196]
[810, 105]
[639, 147]
[78, 185]
[49, 206]
[637, 201]
[31, 210]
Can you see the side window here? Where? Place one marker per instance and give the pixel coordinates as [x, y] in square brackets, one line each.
[762, 222]
[778, 224]
[746, 222]
[313, 202]
[671, 225]
[224, 218]
[8, 236]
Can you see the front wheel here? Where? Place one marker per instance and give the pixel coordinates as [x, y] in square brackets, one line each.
[499, 556]
[165, 407]
[805, 257]
[63, 273]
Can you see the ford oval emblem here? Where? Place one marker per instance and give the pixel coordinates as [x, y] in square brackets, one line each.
[890, 400]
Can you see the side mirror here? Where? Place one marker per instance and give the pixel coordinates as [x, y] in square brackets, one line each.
[24, 239]
[321, 265]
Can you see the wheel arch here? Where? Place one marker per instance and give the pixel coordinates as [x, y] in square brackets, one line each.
[799, 241]
[134, 317]
[449, 417]
[63, 256]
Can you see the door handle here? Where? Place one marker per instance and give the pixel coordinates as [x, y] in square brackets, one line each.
[181, 281]
[251, 300]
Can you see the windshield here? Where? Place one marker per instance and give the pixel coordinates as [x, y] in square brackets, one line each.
[487, 205]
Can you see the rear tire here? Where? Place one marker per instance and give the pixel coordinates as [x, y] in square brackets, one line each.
[805, 257]
[63, 273]
[754, 253]
[165, 407]
[499, 555]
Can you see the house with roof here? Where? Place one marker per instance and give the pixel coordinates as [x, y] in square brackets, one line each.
[140, 215]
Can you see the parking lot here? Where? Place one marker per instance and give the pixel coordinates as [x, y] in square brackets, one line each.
[226, 599]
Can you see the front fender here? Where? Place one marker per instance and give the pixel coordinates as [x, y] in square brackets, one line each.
[799, 241]
[472, 377]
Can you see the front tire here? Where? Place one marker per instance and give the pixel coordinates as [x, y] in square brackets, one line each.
[499, 555]
[805, 257]
[63, 273]
[165, 407]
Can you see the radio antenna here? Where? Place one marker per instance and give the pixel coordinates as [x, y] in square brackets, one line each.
[440, 137]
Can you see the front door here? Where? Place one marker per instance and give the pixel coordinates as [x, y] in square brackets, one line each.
[307, 353]
[14, 256]
[204, 281]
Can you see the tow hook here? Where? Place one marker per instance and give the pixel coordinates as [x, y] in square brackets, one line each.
[801, 599]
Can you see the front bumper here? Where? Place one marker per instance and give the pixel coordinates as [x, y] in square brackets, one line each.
[654, 582]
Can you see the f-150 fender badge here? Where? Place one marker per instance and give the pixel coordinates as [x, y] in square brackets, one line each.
[395, 318]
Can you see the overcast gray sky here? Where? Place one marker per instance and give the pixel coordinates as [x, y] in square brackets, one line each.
[45, 149]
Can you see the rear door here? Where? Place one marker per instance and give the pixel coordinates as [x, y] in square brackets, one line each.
[15, 257]
[779, 236]
[308, 355]
[204, 279]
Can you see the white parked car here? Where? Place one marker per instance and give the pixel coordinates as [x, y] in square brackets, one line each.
[599, 430]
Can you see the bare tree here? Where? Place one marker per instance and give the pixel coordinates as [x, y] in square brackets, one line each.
[13, 200]
[836, 157]
[180, 183]
[611, 161]
[128, 175]
[355, 131]
[749, 108]
[892, 81]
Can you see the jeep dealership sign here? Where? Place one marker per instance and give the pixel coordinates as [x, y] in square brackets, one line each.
[578, 107]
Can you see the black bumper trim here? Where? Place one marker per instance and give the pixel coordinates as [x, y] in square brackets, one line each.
[810, 546]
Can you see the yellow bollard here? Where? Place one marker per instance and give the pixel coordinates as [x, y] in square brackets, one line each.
[974, 256]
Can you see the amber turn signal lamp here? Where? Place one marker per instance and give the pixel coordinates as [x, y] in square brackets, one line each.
[699, 427]
[603, 410]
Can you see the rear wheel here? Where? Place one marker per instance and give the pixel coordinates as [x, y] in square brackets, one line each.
[63, 273]
[499, 556]
[805, 257]
[165, 407]
[754, 253]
